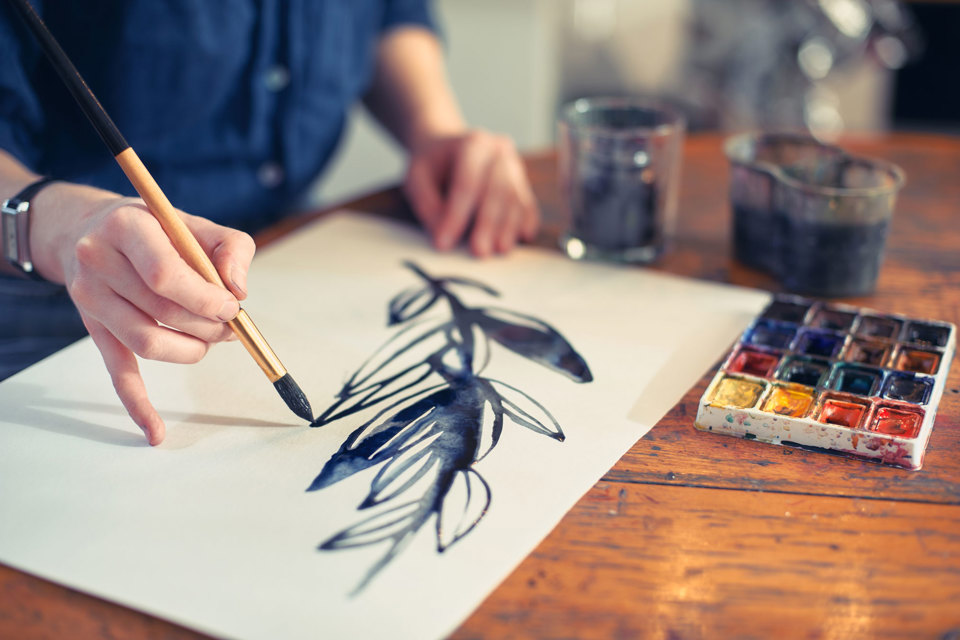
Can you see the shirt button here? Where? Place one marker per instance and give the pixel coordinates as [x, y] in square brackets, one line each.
[270, 174]
[276, 78]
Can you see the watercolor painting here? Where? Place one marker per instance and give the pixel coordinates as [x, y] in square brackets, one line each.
[435, 416]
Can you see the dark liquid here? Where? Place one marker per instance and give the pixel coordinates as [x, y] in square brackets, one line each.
[753, 238]
[829, 259]
[614, 208]
[812, 258]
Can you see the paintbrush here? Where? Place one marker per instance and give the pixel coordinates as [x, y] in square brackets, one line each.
[158, 204]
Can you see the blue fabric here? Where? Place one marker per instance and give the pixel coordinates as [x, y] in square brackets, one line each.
[235, 106]
[197, 88]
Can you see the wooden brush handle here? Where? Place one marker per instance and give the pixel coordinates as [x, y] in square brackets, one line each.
[191, 251]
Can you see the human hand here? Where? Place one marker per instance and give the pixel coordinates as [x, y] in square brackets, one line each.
[135, 294]
[473, 177]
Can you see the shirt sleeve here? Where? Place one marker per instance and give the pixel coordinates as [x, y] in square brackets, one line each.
[408, 12]
[21, 117]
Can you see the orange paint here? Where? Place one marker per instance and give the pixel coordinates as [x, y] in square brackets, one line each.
[918, 361]
[788, 401]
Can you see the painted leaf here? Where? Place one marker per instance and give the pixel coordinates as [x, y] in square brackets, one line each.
[527, 412]
[491, 421]
[409, 304]
[379, 438]
[475, 284]
[389, 524]
[533, 339]
[399, 365]
[404, 471]
[463, 506]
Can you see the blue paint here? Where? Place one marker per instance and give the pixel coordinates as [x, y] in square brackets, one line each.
[908, 387]
[766, 333]
[818, 343]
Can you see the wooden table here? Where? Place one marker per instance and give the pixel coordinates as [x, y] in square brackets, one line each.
[693, 535]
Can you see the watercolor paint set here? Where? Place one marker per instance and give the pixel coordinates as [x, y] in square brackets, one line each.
[833, 377]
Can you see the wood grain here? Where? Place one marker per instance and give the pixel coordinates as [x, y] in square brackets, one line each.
[695, 535]
[653, 561]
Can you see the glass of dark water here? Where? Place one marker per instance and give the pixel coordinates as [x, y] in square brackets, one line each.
[619, 163]
[809, 213]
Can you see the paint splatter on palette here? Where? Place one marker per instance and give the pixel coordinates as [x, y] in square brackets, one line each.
[833, 377]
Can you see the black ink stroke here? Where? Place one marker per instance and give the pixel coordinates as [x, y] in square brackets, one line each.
[435, 416]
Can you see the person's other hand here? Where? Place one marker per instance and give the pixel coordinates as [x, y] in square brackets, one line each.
[135, 294]
[476, 177]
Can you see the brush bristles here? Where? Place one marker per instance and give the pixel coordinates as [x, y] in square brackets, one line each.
[294, 397]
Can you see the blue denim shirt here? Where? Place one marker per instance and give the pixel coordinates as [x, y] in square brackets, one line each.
[235, 106]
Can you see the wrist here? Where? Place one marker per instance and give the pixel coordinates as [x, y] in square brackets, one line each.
[59, 212]
[433, 127]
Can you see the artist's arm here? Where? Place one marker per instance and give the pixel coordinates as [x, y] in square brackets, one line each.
[134, 292]
[455, 175]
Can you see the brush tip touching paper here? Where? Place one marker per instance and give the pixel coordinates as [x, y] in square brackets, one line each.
[294, 397]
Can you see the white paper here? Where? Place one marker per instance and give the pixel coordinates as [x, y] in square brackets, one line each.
[214, 529]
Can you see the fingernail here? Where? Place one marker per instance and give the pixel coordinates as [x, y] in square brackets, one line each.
[229, 310]
[239, 279]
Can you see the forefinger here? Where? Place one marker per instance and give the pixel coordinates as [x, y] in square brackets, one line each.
[125, 374]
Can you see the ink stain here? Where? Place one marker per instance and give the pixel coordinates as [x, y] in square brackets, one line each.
[435, 416]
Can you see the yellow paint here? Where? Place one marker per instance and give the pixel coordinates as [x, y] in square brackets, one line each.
[736, 393]
[787, 401]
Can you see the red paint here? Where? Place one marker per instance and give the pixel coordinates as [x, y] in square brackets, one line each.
[754, 362]
[896, 422]
[845, 414]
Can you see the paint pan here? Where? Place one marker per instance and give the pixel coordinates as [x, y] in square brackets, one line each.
[835, 378]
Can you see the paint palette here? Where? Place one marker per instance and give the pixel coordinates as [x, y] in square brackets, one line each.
[833, 377]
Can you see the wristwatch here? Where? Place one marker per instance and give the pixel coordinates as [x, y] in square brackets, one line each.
[16, 227]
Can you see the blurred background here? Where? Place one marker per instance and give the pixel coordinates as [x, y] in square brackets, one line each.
[825, 66]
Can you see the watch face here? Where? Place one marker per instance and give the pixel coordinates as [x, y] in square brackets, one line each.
[15, 222]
